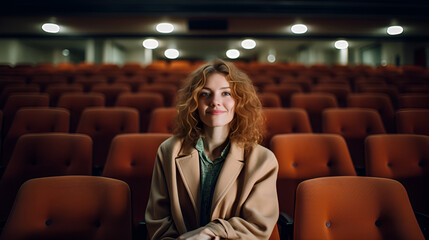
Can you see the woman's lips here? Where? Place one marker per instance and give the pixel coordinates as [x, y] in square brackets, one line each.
[215, 112]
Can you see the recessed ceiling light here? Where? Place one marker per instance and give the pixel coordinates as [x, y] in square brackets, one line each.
[299, 28]
[171, 53]
[51, 28]
[232, 53]
[341, 44]
[271, 58]
[394, 30]
[150, 43]
[248, 44]
[165, 28]
[66, 52]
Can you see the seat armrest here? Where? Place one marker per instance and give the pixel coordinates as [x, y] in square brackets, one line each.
[285, 223]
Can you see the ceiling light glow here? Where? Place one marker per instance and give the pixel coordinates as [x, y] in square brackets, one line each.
[165, 28]
[248, 44]
[299, 28]
[341, 44]
[394, 30]
[66, 52]
[171, 53]
[150, 43]
[232, 53]
[51, 28]
[271, 58]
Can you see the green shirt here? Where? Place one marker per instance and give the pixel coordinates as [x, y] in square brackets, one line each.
[209, 172]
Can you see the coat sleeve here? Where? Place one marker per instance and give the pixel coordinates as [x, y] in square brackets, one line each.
[158, 217]
[260, 211]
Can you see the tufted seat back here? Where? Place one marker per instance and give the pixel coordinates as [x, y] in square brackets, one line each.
[77, 102]
[304, 156]
[103, 124]
[162, 120]
[314, 104]
[42, 155]
[404, 157]
[144, 102]
[284, 120]
[354, 208]
[378, 101]
[35, 120]
[354, 124]
[71, 207]
[413, 121]
[131, 158]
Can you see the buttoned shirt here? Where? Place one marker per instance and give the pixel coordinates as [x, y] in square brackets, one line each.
[209, 172]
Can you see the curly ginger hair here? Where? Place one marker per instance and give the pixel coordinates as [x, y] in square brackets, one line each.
[246, 128]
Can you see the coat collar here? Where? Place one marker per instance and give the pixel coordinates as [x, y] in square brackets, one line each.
[188, 166]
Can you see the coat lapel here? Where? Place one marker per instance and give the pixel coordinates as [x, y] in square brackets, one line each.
[188, 165]
[234, 162]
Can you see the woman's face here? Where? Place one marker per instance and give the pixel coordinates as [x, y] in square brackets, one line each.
[215, 103]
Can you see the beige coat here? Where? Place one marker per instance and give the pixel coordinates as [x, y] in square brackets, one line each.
[244, 205]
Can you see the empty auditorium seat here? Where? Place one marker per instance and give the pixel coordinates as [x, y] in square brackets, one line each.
[304, 156]
[168, 91]
[144, 102]
[269, 100]
[378, 101]
[102, 125]
[413, 101]
[34, 120]
[56, 90]
[77, 102]
[284, 120]
[340, 91]
[404, 157]
[162, 120]
[284, 91]
[42, 155]
[354, 124]
[71, 207]
[354, 208]
[17, 89]
[15, 102]
[133, 81]
[111, 91]
[413, 121]
[314, 104]
[88, 81]
[131, 159]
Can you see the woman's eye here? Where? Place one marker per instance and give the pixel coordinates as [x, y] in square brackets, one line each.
[226, 94]
[204, 94]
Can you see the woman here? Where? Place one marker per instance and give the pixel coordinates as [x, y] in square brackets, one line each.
[212, 180]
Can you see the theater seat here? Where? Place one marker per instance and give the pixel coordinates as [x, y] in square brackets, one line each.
[102, 125]
[34, 120]
[162, 120]
[144, 102]
[314, 104]
[43, 155]
[131, 159]
[413, 121]
[354, 124]
[354, 208]
[284, 120]
[306, 155]
[404, 157]
[71, 207]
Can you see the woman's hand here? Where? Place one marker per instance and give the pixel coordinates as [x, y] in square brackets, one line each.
[201, 233]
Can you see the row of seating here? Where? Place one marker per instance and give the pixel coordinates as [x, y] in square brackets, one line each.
[154, 96]
[305, 83]
[184, 66]
[301, 156]
[102, 124]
